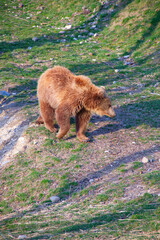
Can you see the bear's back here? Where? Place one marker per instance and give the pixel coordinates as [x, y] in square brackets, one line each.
[60, 83]
[61, 77]
[58, 75]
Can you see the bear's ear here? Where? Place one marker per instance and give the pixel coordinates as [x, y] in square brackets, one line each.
[102, 92]
[102, 87]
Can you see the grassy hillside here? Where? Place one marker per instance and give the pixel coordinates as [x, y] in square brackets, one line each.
[105, 190]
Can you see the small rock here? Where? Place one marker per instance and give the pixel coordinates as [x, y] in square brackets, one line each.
[91, 180]
[145, 160]
[62, 32]
[91, 34]
[45, 36]
[94, 60]
[127, 56]
[34, 39]
[94, 26]
[54, 199]
[35, 142]
[29, 48]
[22, 236]
[156, 85]
[116, 70]
[63, 40]
[68, 27]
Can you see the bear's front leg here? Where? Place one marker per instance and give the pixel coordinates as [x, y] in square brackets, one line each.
[82, 119]
[63, 120]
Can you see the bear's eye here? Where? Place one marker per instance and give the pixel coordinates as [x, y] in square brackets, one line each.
[110, 105]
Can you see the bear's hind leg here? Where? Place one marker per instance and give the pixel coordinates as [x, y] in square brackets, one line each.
[48, 114]
[63, 120]
[82, 119]
[39, 120]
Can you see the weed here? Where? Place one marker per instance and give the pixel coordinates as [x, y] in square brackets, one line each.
[73, 157]
[45, 183]
[136, 165]
[152, 178]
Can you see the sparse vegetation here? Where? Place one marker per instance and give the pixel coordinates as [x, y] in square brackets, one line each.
[105, 190]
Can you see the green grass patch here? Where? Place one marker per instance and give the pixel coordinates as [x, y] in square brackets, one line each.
[136, 165]
[152, 178]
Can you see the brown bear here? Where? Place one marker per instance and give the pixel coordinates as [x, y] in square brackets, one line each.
[61, 94]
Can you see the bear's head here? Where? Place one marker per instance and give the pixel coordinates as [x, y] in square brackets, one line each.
[102, 104]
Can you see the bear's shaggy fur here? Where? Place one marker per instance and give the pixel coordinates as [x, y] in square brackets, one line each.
[62, 94]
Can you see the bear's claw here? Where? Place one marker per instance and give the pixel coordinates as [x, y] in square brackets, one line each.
[83, 139]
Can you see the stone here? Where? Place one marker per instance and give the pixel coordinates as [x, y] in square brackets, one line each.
[34, 39]
[145, 160]
[54, 199]
[116, 70]
[93, 27]
[91, 180]
[22, 236]
[127, 56]
[29, 48]
[106, 151]
[68, 27]
[156, 85]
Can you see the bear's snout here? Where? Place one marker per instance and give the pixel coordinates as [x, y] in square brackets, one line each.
[111, 112]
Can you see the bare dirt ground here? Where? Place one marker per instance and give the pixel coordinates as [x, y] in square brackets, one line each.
[13, 122]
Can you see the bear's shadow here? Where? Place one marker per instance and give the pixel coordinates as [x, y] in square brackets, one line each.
[145, 113]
